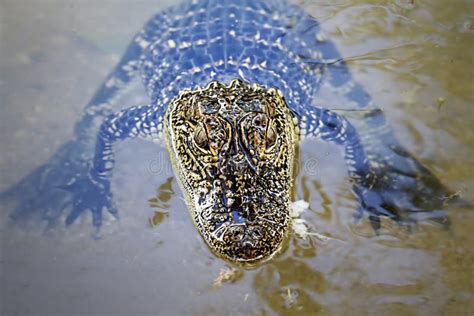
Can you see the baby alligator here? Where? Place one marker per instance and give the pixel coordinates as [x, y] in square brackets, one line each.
[231, 90]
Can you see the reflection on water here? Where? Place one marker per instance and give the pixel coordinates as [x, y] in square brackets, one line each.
[409, 54]
[287, 292]
[160, 202]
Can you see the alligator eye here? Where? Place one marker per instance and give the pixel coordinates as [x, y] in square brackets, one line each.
[200, 138]
[258, 135]
[256, 132]
[211, 135]
[271, 136]
[252, 129]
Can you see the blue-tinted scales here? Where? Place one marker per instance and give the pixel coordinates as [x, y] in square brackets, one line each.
[273, 44]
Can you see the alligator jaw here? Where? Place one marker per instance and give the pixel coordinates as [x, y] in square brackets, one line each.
[232, 148]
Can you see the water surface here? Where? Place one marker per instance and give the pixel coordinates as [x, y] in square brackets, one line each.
[414, 57]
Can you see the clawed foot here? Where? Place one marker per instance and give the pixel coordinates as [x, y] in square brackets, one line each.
[80, 196]
[397, 207]
[404, 198]
[92, 195]
[63, 185]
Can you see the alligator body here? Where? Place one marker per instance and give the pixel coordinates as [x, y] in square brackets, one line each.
[231, 90]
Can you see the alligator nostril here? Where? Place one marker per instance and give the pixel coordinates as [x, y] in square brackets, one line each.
[248, 250]
[256, 233]
[236, 233]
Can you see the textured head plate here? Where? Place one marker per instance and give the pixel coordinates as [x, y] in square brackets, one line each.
[233, 150]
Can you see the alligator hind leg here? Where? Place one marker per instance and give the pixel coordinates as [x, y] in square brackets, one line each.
[400, 186]
[394, 185]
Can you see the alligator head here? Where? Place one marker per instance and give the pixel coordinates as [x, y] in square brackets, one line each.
[232, 148]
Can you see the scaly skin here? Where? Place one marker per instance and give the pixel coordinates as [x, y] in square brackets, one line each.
[266, 61]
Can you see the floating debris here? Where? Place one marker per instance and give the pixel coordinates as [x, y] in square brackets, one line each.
[290, 297]
[298, 207]
[440, 102]
[300, 225]
[229, 275]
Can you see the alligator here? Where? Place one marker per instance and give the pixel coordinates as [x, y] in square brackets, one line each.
[232, 88]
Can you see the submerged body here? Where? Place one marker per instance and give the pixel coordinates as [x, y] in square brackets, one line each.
[234, 83]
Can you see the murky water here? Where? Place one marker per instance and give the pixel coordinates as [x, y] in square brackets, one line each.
[416, 60]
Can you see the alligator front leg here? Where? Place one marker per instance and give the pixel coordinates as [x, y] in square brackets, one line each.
[394, 185]
[93, 191]
[37, 195]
